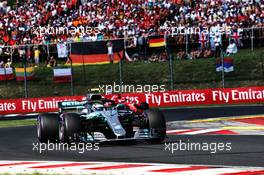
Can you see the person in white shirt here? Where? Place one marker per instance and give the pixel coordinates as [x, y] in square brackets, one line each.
[217, 43]
[110, 51]
[232, 48]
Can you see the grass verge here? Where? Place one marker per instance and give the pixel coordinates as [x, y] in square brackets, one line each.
[187, 74]
[17, 123]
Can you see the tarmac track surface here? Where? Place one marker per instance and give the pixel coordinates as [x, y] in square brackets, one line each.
[17, 144]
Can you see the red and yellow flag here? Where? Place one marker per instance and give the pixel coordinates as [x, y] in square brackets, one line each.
[157, 41]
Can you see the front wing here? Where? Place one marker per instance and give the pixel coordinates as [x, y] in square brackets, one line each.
[140, 134]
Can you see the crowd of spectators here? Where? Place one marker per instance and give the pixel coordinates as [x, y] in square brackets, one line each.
[109, 19]
[223, 13]
[195, 54]
[154, 57]
[20, 23]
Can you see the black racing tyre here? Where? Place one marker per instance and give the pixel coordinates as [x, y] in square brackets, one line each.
[70, 127]
[157, 125]
[48, 128]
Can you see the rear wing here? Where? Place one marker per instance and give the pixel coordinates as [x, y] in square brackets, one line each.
[73, 106]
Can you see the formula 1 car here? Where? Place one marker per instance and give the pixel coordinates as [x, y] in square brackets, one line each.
[98, 119]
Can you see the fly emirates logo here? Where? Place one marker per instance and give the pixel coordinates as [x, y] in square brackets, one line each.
[35, 105]
[206, 97]
[175, 98]
[235, 95]
[39, 104]
[7, 106]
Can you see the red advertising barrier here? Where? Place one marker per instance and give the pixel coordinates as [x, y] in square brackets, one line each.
[33, 105]
[201, 97]
[157, 99]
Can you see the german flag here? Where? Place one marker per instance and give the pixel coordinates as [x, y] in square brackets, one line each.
[90, 53]
[94, 59]
[157, 41]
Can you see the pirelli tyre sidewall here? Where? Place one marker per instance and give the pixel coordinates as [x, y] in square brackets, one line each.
[157, 125]
[48, 127]
[70, 126]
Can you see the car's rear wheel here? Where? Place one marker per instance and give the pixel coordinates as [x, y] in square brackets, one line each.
[48, 127]
[70, 127]
[157, 125]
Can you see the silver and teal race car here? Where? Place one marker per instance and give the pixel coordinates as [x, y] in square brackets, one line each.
[98, 119]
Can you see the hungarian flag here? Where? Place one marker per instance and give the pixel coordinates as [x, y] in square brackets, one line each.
[20, 73]
[6, 74]
[89, 53]
[228, 65]
[156, 41]
[62, 75]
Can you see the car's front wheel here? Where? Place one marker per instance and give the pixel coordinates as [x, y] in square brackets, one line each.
[48, 127]
[157, 125]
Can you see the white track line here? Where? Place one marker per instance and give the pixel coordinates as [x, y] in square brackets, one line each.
[192, 131]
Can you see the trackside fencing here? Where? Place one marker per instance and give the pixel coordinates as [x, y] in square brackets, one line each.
[183, 62]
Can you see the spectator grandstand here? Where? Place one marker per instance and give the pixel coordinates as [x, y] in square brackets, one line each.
[141, 31]
[20, 23]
